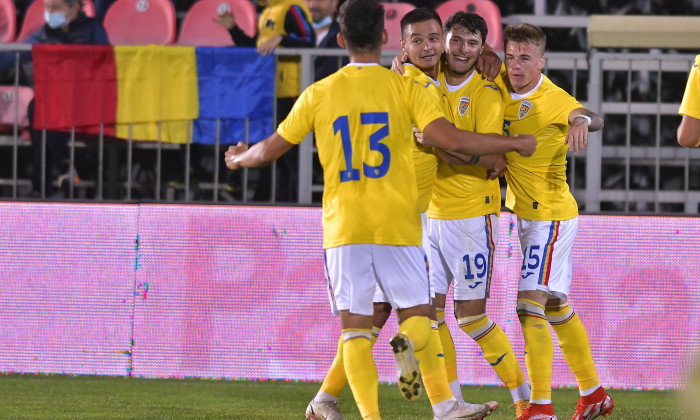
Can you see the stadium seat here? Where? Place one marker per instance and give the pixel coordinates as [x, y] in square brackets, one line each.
[34, 18]
[141, 22]
[199, 30]
[484, 8]
[7, 107]
[8, 21]
[393, 12]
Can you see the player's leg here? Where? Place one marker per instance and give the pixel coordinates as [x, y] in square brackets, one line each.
[537, 239]
[408, 290]
[440, 279]
[352, 281]
[570, 331]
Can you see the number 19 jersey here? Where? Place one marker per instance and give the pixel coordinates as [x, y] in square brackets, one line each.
[363, 117]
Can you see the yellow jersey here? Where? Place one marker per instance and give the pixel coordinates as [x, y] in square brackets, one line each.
[537, 188]
[425, 158]
[690, 105]
[461, 192]
[363, 117]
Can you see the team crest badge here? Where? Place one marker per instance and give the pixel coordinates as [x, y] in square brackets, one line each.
[463, 105]
[525, 107]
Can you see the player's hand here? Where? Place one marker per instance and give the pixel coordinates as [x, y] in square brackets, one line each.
[233, 153]
[526, 144]
[498, 169]
[577, 136]
[227, 20]
[418, 134]
[397, 63]
[488, 64]
[266, 47]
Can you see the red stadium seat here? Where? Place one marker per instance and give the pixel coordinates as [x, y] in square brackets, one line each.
[141, 22]
[34, 18]
[393, 12]
[484, 8]
[199, 30]
[8, 21]
[7, 107]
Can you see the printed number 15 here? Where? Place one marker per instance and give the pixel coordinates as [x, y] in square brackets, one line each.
[342, 125]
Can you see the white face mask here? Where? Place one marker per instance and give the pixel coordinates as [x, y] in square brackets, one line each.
[55, 20]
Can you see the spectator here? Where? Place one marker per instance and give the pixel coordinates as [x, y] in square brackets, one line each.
[282, 23]
[327, 28]
[65, 24]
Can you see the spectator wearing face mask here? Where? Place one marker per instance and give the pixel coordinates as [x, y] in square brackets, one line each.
[65, 24]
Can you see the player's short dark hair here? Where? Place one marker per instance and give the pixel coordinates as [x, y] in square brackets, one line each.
[362, 24]
[469, 21]
[525, 33]
[420, 14]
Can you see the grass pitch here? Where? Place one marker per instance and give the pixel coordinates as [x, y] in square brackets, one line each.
[91, 397]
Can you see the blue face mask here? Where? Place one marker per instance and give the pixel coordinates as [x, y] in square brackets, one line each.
[55, 20]
[324, 22]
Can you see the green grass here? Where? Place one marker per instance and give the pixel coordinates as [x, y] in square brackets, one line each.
[91, 397]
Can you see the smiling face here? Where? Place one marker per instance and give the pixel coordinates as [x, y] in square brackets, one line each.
[422, 41]
[462, 48]
[524, 63]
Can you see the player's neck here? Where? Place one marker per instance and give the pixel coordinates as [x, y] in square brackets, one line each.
[431, 72]
[455, 79]
[366, 56]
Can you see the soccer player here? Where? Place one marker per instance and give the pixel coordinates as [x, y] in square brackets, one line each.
[547, 222]
[689, 128]
[463, 212]
[362, 116]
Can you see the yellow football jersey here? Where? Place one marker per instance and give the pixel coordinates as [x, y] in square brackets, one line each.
[537, 188]
[363, 117]
[461, 192]
[690, 105]
[425, 158]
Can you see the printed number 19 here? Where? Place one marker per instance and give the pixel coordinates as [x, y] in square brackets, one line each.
[342, 125]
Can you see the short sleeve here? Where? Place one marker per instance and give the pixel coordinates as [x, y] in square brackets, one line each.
[300, 120]
[690, 105]
[425, 102]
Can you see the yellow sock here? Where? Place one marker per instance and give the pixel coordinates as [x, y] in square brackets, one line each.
[496, 348]
[574, 344]
[448, 347]
[361, 371]
[432, 368]
[335, 379]
[539, 349]
[417, 329]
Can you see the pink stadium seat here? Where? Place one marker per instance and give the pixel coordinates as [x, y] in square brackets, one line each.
[7, 107]
[199, 30]
[393, 12]
[8, 21]
[34, 18]
[484, 8]
[141, 22]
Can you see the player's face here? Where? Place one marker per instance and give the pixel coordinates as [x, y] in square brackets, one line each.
[320, 9]
[462, 48]
[524, 62]
[422, 42]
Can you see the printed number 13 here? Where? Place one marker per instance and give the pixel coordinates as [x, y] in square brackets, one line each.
[342, 125]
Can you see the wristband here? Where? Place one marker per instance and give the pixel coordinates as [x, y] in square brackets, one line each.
[586, 117]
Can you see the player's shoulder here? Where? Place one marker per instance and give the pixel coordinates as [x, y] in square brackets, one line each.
[552, 91]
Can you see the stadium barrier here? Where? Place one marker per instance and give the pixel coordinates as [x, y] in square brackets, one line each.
[156, 290]
[633, 165]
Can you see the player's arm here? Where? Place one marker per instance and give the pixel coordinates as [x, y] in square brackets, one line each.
[489, 63]
[581, 122]
[689, 132]
[496, 164]
[261, 154]
[442, 134]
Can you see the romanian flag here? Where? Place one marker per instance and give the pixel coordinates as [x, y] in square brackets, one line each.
[170, 93]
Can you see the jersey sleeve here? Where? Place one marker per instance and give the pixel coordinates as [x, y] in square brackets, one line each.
[489, 109]
[425, 102]
[690, 105]
[561, 106]
[300, 120]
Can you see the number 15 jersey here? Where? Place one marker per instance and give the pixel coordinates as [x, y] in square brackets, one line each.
[363, 118]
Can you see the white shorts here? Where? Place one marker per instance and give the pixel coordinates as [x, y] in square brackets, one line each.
[379, 294]
[547, 258]
[462, 253]
[354, 271]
